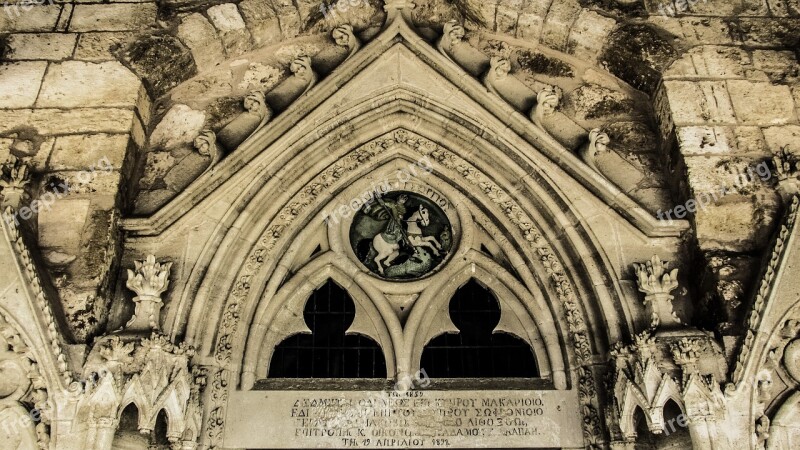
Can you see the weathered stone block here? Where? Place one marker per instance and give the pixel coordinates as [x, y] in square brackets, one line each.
[555, 32]
[49, 46]
[289, 18]
[694, 103]
[589, 34]
[779, 66]
[115, 17]
[68, 121]
[739, 225]
[84, 84]
[231, 27]
[21, 17]
[721, 140]
[89, 152]
[761, 103]
[262, 21]
[99, 46]
[161, 61]
[19, 83]
[61, 224]
[179, 126]
[199, 35]
[710, 61]
[785, 137]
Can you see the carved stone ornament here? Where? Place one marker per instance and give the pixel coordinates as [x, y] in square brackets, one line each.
[13, 180]
[598, 143]
[452, 34]
[344, 37]
[547, 101]
[499, 68]
[149, 280]
[401, 235]
[301, 69]
[656, 281]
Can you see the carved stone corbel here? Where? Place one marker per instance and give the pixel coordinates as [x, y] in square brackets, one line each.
[499, 69]
[149, 280]
[256, 115]
[547, 101]
[344, 37]
[656, 281]
[302, 70]
[206, 144]
[13, 181]
[598, 143]
[452, 35]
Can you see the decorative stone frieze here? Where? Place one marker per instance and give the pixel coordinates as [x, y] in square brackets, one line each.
[148, 280]
[656, 281]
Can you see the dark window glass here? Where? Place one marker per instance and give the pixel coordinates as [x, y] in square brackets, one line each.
[327, 352]
[476, 352]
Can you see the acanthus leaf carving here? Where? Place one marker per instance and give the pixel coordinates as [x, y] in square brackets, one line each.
[148, 280]
[656, 281]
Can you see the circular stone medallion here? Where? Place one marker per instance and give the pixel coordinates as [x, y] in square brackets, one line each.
[401, 235]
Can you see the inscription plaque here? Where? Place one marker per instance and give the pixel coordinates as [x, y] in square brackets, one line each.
[414, 419]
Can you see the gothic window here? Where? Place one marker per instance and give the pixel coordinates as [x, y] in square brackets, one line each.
[477, 351]
[328, 352]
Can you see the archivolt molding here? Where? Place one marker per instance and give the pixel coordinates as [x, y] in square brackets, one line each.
[308, 196]
[765, 302]
[28, 269]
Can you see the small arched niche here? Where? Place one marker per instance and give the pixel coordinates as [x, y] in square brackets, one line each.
[477, 350]
[127, 436]
[328, 350]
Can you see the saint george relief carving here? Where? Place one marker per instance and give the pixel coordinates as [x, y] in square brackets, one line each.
[401, 235]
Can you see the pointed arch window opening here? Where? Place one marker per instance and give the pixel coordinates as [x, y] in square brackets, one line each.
[328, 352]
[476, 351]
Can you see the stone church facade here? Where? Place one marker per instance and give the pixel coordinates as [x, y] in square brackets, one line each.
[400, 224]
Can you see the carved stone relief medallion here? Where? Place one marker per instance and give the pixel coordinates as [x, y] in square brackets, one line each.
[401, 235]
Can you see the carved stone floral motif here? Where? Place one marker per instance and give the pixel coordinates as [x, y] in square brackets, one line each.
[452, 35]
[149, 280]
[656, 281]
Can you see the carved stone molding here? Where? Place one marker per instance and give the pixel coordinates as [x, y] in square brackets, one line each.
[31, 273]
[149, 280]
[756, 316]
